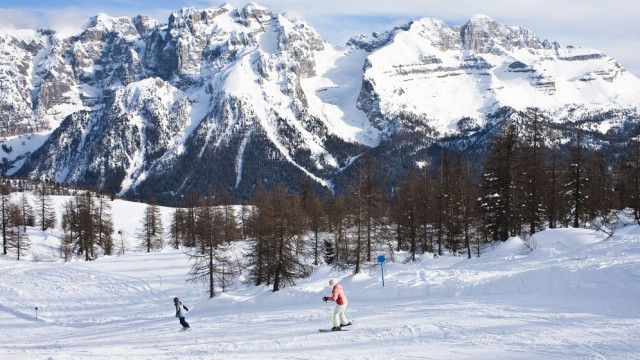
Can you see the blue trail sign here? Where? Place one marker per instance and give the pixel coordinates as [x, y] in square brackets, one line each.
[381, 260]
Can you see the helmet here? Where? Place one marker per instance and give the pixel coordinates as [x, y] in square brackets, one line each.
[332, 282]
[175, 300]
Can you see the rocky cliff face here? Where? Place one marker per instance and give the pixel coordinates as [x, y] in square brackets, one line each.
[18, 78]
[222, 99]
[139, 108]
[438, 75]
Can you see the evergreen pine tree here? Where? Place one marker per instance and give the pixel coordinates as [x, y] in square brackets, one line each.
[328, 252]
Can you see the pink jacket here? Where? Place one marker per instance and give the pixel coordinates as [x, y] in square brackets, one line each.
[338, 295]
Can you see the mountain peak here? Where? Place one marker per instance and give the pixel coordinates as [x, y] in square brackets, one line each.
[253, 6]
[253, 10]
[227, 6]
[104, 21]
[480, 18]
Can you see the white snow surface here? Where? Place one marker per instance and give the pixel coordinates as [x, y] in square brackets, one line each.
[575, 296]
[332, 94]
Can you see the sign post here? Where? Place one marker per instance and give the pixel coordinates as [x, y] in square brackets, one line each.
[381, 260]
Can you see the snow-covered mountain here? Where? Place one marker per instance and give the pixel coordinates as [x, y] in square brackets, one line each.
[225, 98]
[441, 74]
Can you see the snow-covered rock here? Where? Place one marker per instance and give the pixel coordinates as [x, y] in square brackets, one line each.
[441, 74]
[224, 98]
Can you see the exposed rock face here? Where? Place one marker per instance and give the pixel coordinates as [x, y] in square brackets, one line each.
[225, 98]
[440, 74]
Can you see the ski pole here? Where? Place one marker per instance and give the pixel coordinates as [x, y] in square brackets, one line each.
[330, 313]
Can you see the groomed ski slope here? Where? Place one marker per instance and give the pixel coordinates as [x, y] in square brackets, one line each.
[575, 296]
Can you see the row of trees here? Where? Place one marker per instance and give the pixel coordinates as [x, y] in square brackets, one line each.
[529, 180]
[87, 226]
[17, 214]
[77, 221]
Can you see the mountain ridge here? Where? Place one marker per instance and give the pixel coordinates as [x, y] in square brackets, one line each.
[143, 108]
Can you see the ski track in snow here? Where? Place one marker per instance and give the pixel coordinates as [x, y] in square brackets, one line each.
[575, 296]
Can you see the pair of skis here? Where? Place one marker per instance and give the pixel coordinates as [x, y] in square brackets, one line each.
[340, 329]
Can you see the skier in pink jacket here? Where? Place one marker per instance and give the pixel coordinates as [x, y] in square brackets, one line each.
[337, 295]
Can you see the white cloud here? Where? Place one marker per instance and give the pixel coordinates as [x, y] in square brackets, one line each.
[69, 22]
[11, 19]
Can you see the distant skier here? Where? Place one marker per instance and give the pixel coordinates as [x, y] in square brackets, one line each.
[180, 313]
[337, 295]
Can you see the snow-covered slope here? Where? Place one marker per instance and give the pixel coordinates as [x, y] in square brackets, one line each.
[573, 297]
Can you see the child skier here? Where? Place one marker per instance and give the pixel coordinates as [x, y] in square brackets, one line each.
[180, 313]
[337, 295]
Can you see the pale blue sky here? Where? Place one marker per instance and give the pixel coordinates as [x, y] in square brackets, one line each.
[613, 28]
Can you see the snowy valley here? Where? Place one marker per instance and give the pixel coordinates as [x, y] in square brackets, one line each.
[569, 294]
